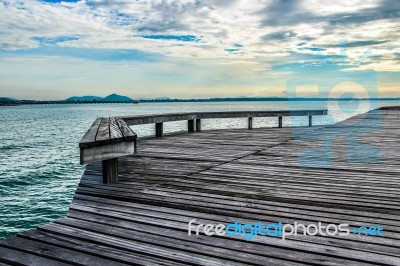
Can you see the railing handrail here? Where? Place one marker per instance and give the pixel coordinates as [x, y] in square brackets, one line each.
[117, 139]
[170, 117]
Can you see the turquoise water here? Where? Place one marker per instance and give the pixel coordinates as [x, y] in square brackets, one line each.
[39, 155]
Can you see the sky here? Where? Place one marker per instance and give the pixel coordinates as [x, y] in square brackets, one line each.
[51, 50]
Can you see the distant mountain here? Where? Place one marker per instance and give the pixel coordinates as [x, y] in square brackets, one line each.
[110, 98]
[117, 98]
[8, 100]
[84, 99]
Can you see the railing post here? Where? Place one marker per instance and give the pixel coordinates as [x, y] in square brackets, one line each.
[250, 122]
[198, 125]
[280, 122]
[310, 121]
[110, 171]
[159, 129]
[191, 125]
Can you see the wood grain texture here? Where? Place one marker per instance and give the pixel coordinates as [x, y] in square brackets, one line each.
[105, 152]
[240, 175]
[125, 129]
[115, 131]
[88, 140]
[103, 133]
[107, 138]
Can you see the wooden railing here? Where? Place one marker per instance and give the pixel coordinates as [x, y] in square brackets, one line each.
[158, 120]
[111, 137]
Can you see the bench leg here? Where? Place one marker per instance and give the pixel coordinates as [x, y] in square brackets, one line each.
[280, 122]
[134, 147]
[250, 124]
[191, 125]
[159, 129]
[198, 125]
[110, 171]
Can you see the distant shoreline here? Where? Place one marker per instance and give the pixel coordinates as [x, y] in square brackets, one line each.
[33, 102]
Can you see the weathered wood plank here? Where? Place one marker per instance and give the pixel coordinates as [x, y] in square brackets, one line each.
[15, 257]
[115, 131]
[125, 129]
[159, 118]
[103, 133]
[105, 152]
[224, 176]
[88, 140]
[178, 229]
[115, 254]
[135, 246]
[56, 253]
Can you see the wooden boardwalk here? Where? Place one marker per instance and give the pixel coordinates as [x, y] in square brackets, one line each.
[224, 176]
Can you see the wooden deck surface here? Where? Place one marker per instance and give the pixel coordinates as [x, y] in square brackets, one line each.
[224, 176]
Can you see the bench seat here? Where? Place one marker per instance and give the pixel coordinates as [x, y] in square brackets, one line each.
[107, 139]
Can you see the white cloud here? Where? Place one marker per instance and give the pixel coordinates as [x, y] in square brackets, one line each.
[325, 8]
[118, 24]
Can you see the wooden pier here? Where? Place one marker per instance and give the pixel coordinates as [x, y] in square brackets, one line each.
[141, 216]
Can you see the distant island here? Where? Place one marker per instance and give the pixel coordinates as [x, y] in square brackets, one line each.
[112, 98]
[115, 98]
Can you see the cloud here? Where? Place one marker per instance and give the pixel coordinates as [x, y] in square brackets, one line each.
[278, 37]
[292, 12]
[212, 27]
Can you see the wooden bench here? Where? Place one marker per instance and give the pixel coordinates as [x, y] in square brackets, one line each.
[107, 139]
[111, 137]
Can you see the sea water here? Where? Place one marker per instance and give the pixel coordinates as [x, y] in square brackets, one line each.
[39, 155]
